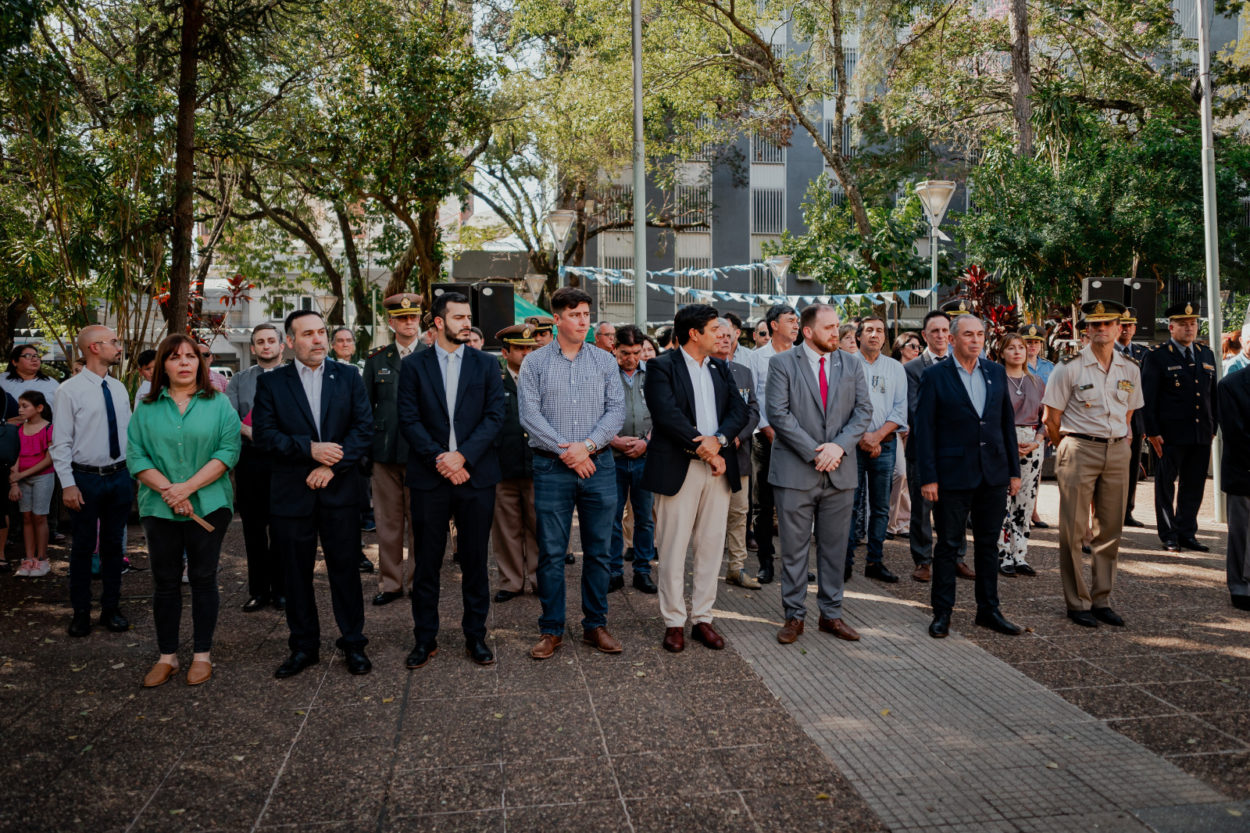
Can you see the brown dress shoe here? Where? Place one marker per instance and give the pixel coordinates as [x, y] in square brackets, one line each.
[839, 629]
[790, 631]
[922, 572]
[674, 640]
[199, 672]
[964, 571]
[546, 646]
[159, 675]
[704, 632]
[601, 639]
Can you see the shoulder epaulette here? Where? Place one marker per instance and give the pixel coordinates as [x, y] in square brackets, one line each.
[381, 349]
[1069, 358]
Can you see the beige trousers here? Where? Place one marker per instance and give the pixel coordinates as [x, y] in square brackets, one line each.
[1090, 472]
[696, 514]
[514, 534]
[392, 513]
[736, 531]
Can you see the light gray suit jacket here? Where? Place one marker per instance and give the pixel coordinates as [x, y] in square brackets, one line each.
[794, 411]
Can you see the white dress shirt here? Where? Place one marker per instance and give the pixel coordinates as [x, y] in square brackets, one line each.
[449, 364]
[813, 357]
[80, 430]
[762, 357]
[704, 394]
[310, 378]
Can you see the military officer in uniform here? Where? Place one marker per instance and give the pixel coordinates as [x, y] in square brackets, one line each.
[390, 450]
[514, 530]
[1136, 352]
[543, 326]
[1178, 378]
[1089, 402]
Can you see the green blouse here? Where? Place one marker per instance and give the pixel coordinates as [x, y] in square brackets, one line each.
[180, 444]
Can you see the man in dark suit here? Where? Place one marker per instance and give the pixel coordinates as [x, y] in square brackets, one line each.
[313, 416]
[968, 463]
[691, 469]
[739, 501]
[451, 407]
[1233, 392]
[1136, 352]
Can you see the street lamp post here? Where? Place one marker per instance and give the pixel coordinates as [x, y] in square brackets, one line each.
[935, 195]
[560, 223]
[779, 265]
[534, 287]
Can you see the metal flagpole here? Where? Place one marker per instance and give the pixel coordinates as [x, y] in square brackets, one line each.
[640, 181]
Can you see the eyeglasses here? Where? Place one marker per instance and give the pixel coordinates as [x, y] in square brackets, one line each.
[116, 342]
[34, 356]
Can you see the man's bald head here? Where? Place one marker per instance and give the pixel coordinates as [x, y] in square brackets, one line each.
[100, 348]
[91, 334]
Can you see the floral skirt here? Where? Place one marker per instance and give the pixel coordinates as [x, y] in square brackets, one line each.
[1013, 548]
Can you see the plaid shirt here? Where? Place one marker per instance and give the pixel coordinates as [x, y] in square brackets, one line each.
[566, 401]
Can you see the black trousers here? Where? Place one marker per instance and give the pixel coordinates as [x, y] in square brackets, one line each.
[1134, 469]
[987, 506]
[473, 509]
[105, 508]
[167, 541]
[920, 529]
[762, 454]
[251, 488]
[1176, 509]
[296, 541]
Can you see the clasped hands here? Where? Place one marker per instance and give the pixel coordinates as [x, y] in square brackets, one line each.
[177, 496]
[450, 464]
[708, 450]
[577, 457]
[829, 456]
[631, 447]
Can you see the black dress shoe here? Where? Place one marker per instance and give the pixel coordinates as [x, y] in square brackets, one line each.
[114, 621]
[1083, 618]
[357, 662]
[80, 624]
[1129, 520]
[295, 663]
[388, 596]
[1007, 570]
[848, 573]
[569, 559]
[279, 602]
[1025, 570]
[475, 647]
[505, 596]
[995, 621]
[940, 627]
[751, 543]
[1171, 546]
[1039, 524]
[1194, 544]
[366, 566]
[811, 577]
[643, 582]
[1107, 616]
[616, 583]
[765, 575]
[1085, 548]
[421, 654]
[256, 603]
[629, 554]
[1239, 601]
[881, 573]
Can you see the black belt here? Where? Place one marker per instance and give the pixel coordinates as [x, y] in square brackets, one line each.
[544, 453]
[1103, 440]
[111, 468]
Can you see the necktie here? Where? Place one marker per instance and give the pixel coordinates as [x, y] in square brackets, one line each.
[824, 385]
[1189, 356]
[451, 381]
[115, 446]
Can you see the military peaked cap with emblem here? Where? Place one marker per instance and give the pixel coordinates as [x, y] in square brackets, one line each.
[541, 323]
[518, 335]
[403, 303]
[959, 306]
[1101, 311]
[1032, 331]
[1181, 312]
[1129, 316]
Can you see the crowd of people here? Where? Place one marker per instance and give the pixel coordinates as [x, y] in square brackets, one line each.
[677, 453]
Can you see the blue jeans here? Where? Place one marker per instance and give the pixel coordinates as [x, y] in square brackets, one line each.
[557, 492]
[106, 501]
[629, 485]
[878, 473]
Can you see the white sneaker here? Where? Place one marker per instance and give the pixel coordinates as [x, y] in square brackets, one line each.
[42, 568]
[25, 569]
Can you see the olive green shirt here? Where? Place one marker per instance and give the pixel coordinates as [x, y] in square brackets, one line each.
[180, 444]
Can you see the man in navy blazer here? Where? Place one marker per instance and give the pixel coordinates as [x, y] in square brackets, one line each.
[968, 463]
[313, 416]
[451, 408]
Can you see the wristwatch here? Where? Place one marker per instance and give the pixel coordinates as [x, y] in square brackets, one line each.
[590, 446]
[720, 438]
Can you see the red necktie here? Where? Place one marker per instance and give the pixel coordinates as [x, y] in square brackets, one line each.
[824, 385]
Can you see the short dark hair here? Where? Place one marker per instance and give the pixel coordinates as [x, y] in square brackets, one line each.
[692, 317]
[775, 312]
[478, 332]
[38, 400]
[808, 318]
[295, 316]
[664, 336]
[257, 330]
[859, 332]
[733, 318]
[145, 357]
[628, 335]
[935, 313]
[439, 306]
[569, 297]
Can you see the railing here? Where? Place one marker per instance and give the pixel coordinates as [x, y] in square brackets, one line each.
[768, 210]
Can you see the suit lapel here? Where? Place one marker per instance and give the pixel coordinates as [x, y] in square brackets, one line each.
[329, 380]
[428, 365]
[463, 381]
[300, 397]
[805, 373]
[835, 369]
[952, 369]
[682, 374]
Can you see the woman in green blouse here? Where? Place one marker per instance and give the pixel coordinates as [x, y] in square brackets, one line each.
[182, 441]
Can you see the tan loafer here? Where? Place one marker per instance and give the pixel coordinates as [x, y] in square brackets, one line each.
[159, 675]
[199, 672]
[546, 646]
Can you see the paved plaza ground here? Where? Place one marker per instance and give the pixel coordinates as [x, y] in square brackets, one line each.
[1136, 729]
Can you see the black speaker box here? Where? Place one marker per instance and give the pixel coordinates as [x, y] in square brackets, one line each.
[493, 309]
[1141, 294]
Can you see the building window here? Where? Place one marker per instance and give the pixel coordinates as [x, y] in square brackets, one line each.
[767, 147]
[850, 57]
[768, 210]
[617, 203]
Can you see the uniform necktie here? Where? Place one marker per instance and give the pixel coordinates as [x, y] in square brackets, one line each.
[1189, 356]
[115, 446]
[451, 380]
[824, 385]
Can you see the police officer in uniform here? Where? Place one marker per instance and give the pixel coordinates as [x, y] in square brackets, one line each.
[514, 530]
[1136, 352]
[1089, 401]
[1179, 381]
[543, 326]
[390, 450]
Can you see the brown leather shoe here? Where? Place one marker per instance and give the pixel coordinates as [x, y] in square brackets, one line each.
[674, 640]
[839, 629]
[159, 675]
[601, 639]
[546, 646]
[790, 631]
[704, 633]
[922, 573]
[199, 672]
[964, 571]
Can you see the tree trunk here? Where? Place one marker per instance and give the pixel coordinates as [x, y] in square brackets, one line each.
[1021, 79]
[355, 281]
[184, 166]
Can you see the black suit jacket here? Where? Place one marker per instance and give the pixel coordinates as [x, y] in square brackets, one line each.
[670, 399]
[1137, 352]
[1233, 393]
[516, 456]
[955, 447]
[282, 423]
[425, 424]
[1180, 402]
[912, 371]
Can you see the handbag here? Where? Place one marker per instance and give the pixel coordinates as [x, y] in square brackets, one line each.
[10, 444]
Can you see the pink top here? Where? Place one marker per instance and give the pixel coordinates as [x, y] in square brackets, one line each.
[34, 447]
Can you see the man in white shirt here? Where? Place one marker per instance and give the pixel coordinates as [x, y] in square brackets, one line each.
[92, 412]
[783, 323]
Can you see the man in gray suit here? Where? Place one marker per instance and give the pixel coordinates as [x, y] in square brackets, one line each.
[818, 406]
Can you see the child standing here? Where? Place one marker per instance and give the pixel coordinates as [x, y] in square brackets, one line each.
[32, 480]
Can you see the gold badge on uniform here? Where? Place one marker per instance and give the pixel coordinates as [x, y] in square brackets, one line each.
[1127, 385]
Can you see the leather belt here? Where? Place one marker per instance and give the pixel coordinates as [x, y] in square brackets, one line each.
[112, 468]
[1104, 440]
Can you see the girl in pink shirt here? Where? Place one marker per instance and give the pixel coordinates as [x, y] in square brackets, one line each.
[32, 480]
